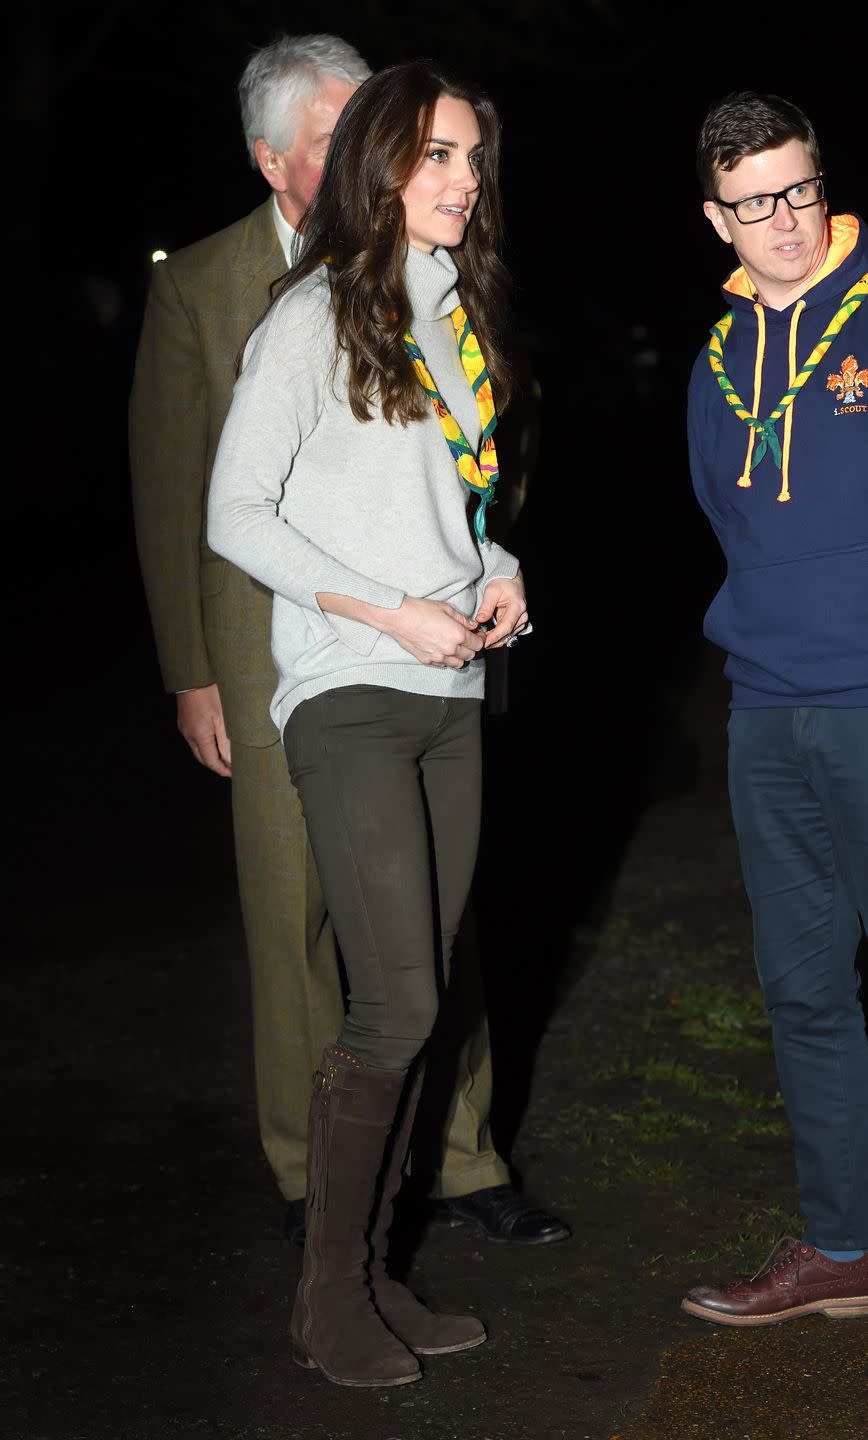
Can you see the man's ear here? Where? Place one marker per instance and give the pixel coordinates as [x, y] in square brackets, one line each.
[271, 164]
[712, 211]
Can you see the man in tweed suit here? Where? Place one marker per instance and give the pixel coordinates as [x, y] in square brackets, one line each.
[212, 627]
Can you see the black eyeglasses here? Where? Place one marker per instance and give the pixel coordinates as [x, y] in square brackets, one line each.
[762, 207]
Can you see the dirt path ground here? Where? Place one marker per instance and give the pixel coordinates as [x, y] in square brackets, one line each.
[148, 1291]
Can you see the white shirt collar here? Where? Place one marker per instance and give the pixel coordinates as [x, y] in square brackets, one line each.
[285, 233]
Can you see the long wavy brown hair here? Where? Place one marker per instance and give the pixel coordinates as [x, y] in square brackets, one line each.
[357, 220]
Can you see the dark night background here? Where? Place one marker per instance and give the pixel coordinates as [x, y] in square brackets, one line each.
[131, 110]
[126, 138]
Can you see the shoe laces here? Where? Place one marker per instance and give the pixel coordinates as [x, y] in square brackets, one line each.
[785, 1253]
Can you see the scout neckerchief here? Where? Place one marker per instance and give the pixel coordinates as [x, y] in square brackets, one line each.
[768, 439]
[479, 474]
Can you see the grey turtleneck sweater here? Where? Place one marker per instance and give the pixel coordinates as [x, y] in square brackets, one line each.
[308, 499]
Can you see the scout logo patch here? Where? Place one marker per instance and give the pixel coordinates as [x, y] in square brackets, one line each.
[848, 383]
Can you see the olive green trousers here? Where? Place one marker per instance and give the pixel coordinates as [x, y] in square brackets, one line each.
[297, 994]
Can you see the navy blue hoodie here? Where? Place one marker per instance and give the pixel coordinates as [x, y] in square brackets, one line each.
[792, 613]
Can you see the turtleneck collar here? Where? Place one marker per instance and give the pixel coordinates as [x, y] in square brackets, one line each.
[430, 281]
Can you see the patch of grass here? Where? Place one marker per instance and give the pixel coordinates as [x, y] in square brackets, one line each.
[578, 1109]
[727, 948]
[624, 1140]
[638, 1136]
[742, 1251]
[771, 1221]
[584, 1141]
[727, 1040]
[721, 1088]
[648, 1122]
[716, 1017]
[651, 1122]
[611, 1071]
[748, 1125]
[653, 1172]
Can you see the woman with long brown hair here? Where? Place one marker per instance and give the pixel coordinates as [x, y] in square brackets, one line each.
[353, 477]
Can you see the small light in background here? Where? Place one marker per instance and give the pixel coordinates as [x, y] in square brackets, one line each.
[159, 255]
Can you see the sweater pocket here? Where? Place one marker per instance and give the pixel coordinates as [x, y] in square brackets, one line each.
[798, 627]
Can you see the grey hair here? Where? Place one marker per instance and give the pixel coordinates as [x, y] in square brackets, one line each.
[280, 77]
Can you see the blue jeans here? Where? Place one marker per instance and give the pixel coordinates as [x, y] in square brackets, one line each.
[799, 791]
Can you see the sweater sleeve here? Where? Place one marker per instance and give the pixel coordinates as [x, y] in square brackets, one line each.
[497, 564]
[277, 403]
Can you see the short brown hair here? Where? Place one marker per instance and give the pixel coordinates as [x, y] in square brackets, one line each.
[746, 123]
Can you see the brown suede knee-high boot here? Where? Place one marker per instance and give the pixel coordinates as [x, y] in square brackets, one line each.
[334, 1324]
[420, 1328]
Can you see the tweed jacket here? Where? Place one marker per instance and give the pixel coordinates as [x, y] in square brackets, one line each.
[211, 622]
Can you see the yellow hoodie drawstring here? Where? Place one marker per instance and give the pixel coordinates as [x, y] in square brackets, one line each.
[790, 411]
[766, 428]
[744, 479]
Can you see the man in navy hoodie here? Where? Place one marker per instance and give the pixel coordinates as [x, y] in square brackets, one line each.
[778, 430]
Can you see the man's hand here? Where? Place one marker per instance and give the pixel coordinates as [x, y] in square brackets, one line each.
[435, 633]
[200, 721]
[505, 601]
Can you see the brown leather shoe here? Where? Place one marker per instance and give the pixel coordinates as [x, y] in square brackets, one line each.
[795, 1280]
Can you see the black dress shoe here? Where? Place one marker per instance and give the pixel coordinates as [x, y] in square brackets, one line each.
[293, 1225]
[500, 1214]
